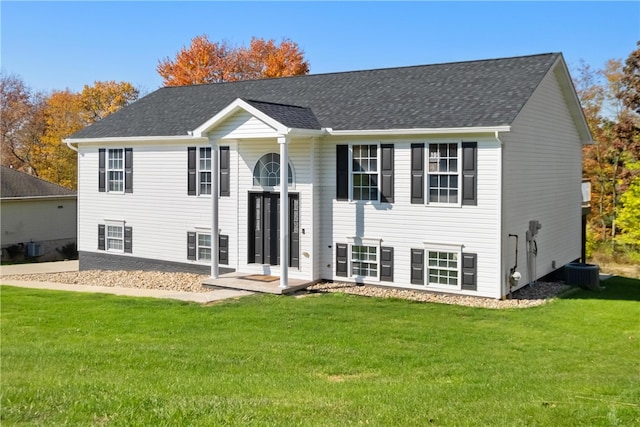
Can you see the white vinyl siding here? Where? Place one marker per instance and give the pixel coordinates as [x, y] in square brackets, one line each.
[404, 226]
[542, 181]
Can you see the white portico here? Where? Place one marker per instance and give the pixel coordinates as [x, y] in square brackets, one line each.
[253, 127]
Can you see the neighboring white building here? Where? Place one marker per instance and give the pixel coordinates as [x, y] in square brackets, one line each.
[414, 177]
[38, 217]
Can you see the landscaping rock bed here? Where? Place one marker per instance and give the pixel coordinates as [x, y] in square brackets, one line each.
[528, 296]
[182, 282]
[187, 282]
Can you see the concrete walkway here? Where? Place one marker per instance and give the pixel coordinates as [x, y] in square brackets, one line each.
[67, 266]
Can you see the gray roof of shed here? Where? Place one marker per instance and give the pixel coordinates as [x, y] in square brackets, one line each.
[15, 184]
[462, 94]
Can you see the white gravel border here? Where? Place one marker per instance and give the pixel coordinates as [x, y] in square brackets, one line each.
[539, 294]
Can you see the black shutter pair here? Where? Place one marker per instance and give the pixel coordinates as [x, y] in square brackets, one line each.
[386, 262]
[192, 169]
[128, 170]
[223, 248]
[469, 173]
[128, 238]
[469, 269]
[386, 172]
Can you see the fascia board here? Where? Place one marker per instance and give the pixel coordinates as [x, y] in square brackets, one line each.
[133, 139]
[37, 198]
[419, 131]
[566, 84]
[231, 109]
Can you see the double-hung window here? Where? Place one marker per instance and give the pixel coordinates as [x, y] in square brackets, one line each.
[204, 170]
[443, 173]
[443, 268]
[364, 172]
[115, 238]
[450, 177]
[115, 170]
[364, 261]
[204, 247]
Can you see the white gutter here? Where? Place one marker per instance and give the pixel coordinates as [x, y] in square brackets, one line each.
[132, 139]
[36, 198]
[420, 131]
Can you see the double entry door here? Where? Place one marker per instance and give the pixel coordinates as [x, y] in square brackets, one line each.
[264, 229]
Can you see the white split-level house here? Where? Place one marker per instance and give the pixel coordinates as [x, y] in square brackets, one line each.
[414, 177]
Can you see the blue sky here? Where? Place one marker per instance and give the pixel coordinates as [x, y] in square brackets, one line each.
[58, 45]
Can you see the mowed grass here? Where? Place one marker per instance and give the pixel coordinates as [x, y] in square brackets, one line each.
[323, 360]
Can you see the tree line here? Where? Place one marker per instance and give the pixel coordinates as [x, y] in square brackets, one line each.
[33, 124]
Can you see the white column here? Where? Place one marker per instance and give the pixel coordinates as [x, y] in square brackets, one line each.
[284, 211]
[215, 233]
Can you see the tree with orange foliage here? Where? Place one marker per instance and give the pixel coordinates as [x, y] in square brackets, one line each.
[208, 62]
[265, 59]
[608, 162]
[33, 127]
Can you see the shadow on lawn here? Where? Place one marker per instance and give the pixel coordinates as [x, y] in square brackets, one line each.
[615, 288]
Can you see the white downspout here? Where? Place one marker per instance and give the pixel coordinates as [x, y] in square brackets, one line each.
[504, 284]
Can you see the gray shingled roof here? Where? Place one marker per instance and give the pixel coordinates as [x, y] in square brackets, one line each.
[289, 115]
[462, 94]
[19, 184]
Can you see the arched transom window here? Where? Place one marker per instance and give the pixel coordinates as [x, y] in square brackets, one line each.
[267, 171]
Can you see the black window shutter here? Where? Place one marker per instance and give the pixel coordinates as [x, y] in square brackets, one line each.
[386, 192]
[128, 170]
[341, 259]
[469, 272]
[469, 173]
[342, 172]
[191, 174]
[191, 245]
[417, 173]
[417, 266]
[386, 264]
[223, 249]
[102, 171]
[128, 236]
[224, 171]
[101, 237]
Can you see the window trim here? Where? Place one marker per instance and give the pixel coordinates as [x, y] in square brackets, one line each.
[352, 173]
[114, 224]
[199, 171]
[199, 246]
[428, 174]
[448, 248]
[345, 176]
[109, 169]
[258, 187]
[366, 242]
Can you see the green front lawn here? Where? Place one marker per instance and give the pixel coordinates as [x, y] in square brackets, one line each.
[89, 359]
